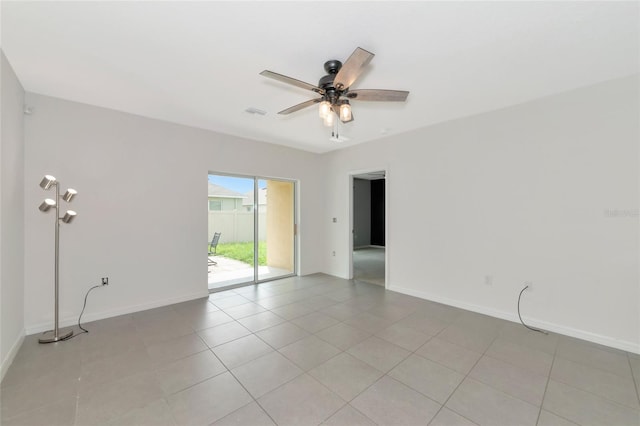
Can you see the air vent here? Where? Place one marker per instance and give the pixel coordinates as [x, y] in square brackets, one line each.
[252, 110]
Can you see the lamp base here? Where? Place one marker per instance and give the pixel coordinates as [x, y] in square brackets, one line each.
[53, 338]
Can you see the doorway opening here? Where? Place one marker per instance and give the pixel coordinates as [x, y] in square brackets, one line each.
[368, 231]
[251, 230]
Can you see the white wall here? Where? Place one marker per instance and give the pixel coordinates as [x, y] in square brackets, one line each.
[11, 216]
[524, 193]
[142, 217]
[361, 212]
[521, 194]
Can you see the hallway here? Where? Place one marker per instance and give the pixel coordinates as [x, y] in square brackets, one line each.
[368, 265]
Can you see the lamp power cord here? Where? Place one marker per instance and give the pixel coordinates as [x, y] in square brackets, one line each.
[519, 316]
[84, 306]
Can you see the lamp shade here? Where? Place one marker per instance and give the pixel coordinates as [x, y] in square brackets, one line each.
[46, 205]
[69, 216]
[68, 196]
[47, 181]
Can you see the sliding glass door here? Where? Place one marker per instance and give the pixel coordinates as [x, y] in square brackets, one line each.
[251, 227]
[230, 220]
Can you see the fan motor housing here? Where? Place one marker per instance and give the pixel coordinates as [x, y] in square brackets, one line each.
[326, 81]
[331, 67]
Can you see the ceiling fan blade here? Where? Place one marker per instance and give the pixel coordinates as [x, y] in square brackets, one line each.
[293, 81]
[300, 106]
[352, 68]
[378, 95]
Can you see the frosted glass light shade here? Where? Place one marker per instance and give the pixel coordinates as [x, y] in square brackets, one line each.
[324, 109]
[329, 119]
[345, 112]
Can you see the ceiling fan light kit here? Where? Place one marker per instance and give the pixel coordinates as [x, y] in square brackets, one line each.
[329, 119]
[324, 109]
[345, 112]
[334, 89]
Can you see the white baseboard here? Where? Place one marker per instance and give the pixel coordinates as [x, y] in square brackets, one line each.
[8, 360]
[556, 328]
[71, 321]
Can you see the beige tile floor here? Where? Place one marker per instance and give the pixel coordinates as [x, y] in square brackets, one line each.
[318, 350]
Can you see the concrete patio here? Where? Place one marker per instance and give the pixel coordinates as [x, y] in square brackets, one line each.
[227, 272]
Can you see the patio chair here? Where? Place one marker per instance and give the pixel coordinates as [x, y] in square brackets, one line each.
[212, 248]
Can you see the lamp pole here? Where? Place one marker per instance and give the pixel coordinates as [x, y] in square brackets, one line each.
[57, 336]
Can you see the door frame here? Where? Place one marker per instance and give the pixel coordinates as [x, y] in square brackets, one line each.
[351, 176]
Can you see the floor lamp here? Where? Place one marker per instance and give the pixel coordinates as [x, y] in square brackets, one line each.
[47, 182]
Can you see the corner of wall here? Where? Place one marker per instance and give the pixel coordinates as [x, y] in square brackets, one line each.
[12, 157]
[11, 355]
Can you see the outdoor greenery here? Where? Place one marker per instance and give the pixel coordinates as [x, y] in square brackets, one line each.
[243, 252]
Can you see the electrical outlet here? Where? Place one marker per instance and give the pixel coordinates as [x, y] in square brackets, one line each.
[529, 285]
[333, 253]
[105, 280]
[488, 280]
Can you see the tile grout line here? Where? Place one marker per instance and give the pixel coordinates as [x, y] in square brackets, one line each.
[252, 397]
[173, 418]
[303, 372]
[633, 377]
[415, 390]
[354, 408]
[392, 322]
[410, 353]
[461, 381]
[605, 398]
[346, 352]
[323, 385]
[210, 349]
[75, 415]
[441, 405]
[555, 354]
[597, 367]
[546, 385]
[247, 390]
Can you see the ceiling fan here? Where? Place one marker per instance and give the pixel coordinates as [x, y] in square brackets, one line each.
[334, 91]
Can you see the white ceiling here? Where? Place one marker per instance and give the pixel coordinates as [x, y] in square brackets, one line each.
[197, 63]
